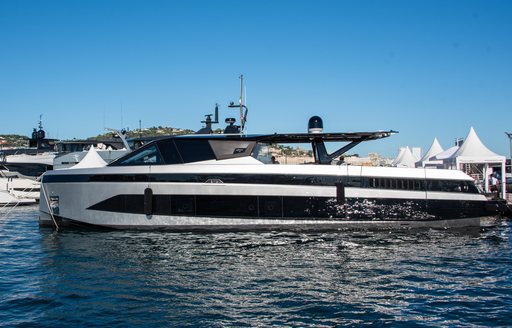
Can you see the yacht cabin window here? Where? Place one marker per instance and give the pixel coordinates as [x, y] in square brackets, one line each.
[169, 152]
[194, 150]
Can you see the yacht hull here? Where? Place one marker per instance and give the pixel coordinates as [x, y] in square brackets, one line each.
[205, 224]
[233, 207]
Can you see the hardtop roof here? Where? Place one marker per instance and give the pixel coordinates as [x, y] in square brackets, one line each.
[294, 137]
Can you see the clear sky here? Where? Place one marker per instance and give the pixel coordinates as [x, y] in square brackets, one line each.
[425, 68]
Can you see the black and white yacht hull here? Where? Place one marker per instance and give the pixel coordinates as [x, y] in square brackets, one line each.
[257, 197]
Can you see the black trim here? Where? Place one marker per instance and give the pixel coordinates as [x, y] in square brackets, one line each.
[457, 186]
[282, 179]
[291, 207]
[340, 193]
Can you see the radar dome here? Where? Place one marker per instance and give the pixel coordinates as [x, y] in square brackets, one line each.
[315, 125]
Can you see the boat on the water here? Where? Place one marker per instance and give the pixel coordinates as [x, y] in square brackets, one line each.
[16, 190]
[32, 161]
[7, 199]
[229, 182]
[226, 182]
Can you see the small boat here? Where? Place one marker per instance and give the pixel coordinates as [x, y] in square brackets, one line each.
[7, 199]
[44, 154]
[17, 189]
[32, 161]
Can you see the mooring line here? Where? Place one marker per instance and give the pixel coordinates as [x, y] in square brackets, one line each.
[49, 207]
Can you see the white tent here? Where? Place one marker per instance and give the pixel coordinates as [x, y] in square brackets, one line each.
[429, 160]
[399, 156]
[405, 158]
[473, 151]
[448, 153]
[92, 159]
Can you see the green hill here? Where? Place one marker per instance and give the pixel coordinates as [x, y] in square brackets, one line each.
[147, 132]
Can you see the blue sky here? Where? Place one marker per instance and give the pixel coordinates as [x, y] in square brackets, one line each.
[425, 68]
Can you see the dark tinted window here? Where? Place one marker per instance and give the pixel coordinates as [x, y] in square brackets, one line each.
[469, 187]
[169, 151]
[392, 183]
[419, 185]
[452, 186]
[413, 184]
[354, 181]
[194, 150]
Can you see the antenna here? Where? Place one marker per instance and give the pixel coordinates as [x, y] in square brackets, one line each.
[241, 100]
[208, 122]
[243, 114]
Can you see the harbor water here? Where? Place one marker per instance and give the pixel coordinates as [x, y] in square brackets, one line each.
[156, 279]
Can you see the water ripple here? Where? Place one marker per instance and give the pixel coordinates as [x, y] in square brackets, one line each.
[120, 279]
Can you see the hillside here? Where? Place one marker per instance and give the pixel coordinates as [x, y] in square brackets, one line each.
[147, 132]
[13, 140]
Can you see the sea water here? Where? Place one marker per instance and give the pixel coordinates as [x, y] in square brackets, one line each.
[157, 279]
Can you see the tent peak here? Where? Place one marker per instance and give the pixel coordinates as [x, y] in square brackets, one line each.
[473, 147]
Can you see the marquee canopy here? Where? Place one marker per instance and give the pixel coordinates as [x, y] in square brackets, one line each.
[92, 159]
[429, 158]
[473, 151]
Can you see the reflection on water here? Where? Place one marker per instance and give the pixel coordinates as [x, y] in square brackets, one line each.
[253, 279]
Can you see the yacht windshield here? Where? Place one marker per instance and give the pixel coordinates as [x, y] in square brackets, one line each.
[169, 151]
[145, 156]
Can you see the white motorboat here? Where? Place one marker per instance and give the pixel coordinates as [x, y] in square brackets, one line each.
[20, 189]
[224, 182]
[7, 199]
[212, 182]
